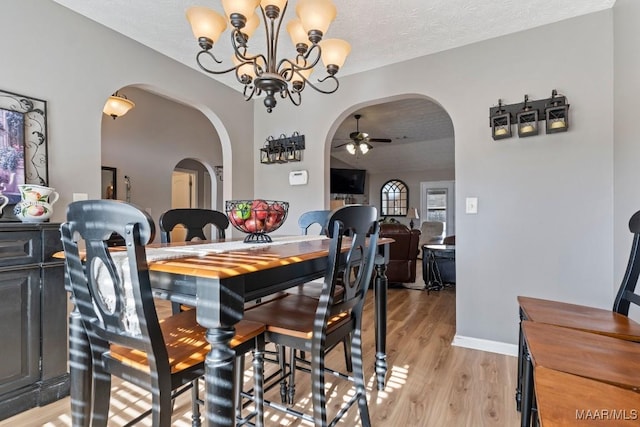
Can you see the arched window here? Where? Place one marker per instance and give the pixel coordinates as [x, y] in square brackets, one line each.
[394, 198]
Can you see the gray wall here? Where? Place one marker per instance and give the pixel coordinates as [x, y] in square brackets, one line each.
[149, 141]
[73, 63]
[627, 142]
[544, 223]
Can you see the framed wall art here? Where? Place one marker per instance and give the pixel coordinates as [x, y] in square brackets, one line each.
[23, 143]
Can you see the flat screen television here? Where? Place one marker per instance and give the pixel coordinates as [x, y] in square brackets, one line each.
[347, 181]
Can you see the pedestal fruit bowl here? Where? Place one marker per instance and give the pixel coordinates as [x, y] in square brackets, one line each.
[256, 217]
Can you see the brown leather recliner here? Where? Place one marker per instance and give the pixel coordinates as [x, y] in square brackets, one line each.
[403, 252]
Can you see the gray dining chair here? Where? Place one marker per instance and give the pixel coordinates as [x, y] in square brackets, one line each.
[112, 291]
[315, 325]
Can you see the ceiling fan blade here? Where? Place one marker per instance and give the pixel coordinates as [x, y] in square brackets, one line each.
[378, 140]
[342, 145]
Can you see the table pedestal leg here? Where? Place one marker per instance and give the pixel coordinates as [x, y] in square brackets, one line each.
[380, 288]
[220, 386]
[219, 308]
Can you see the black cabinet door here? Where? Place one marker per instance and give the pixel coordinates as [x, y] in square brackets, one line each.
[19, 328]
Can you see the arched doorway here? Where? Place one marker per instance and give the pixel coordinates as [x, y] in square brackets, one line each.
[409, 138]
[146, 150]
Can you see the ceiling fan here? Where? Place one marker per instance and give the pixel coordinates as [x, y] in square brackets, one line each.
[360, 140]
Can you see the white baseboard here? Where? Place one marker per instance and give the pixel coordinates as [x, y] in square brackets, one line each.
[485, 345]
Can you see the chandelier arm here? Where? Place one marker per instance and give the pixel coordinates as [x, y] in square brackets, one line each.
[295, 66]
[248, 87]
[308, 54]
[276, 36]
[289, 94]
[208, 70]
[266, 20]
[327, 92]
[288, 71]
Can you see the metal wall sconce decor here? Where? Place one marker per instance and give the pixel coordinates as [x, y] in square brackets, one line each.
[282, 150]
[501, 123]
[527, 114]
[218, 171]
[557, 114]
[527, 120]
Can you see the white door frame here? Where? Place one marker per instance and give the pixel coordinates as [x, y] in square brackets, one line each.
[451, 200]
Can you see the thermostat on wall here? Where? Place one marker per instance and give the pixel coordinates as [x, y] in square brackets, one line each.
[298, 177]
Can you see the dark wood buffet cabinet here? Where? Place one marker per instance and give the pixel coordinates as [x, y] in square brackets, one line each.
[33, 317]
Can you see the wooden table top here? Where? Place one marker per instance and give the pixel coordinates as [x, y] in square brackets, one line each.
[237, 262]
[566, 400]
[588, 355]
[589, 319]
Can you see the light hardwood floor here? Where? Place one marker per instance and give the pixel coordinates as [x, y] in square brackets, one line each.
[430, 383]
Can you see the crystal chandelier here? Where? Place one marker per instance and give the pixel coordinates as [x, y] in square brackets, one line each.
[265, 73]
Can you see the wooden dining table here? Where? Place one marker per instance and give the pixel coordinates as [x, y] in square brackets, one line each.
[218, 284]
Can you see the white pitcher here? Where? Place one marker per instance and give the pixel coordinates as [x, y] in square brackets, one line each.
[38, 193]
[33, 211]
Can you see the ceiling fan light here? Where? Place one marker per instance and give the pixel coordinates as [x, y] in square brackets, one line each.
[334, 52]
[245, 8]
[364, 147]
[206, 23]
[351, 148]
[316, 14]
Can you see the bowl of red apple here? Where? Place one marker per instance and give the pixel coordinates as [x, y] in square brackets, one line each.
[256, 217]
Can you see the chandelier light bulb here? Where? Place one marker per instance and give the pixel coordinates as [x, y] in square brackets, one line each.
[334, 52]
[245, 8]
[280, 4]
[297, 33]
[316, 15]
[206, 23]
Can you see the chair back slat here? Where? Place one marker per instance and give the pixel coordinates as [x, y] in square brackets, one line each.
[353, 270]
[112, 290]
[310, 218]
[194, 220]
[626, 293]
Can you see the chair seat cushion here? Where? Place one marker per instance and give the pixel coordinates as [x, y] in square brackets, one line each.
[185, 342]
[589, 319]
[292, 315]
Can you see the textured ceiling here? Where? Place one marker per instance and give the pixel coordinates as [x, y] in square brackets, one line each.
[421, 136]
[380, 33]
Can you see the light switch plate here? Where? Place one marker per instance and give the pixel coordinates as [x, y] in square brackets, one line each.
[472, 205]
